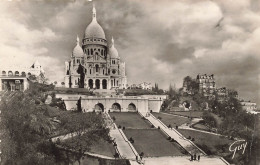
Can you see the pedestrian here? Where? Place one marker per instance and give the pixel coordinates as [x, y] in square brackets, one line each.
[195, 156]
[198, 157]
[191, 158]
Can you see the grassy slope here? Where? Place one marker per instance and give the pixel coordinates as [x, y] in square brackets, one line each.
[171, 119]
[129, 120]
[152, 142]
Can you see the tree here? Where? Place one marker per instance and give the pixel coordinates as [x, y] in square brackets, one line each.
[209, 120]
[79, 108]
[87, 132]
[81, 71]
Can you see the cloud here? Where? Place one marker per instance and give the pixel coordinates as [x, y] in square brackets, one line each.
[161, 41]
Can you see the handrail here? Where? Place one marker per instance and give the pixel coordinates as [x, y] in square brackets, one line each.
[129, 143]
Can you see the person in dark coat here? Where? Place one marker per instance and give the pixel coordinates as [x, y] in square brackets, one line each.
[195, 156]
[191, 157]
[198, 157]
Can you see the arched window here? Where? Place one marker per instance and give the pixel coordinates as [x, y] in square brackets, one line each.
[16, 73]
[103, 71]
[91, 51]
[88, 51]
[111, 82]
[10, 73]
[3, 73]
[89, 71]
[23, 74]
[96, 68]
[101, 51]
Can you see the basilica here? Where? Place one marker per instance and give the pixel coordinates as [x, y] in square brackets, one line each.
[93, 63]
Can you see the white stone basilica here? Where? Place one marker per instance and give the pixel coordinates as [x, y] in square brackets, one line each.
[100, 65]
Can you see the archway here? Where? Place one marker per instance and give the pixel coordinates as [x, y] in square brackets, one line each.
[104, 84]
[99, 107]
[116, 107]
[90, 83]
[131, 107]
[97, 84]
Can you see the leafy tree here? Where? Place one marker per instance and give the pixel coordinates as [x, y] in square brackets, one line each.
[209, 120]
[89, 128]
[81, 71]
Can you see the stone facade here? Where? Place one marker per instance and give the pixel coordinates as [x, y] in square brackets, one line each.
[207, 85]
[248, 106]
[114, 103]
[95, 62]
[15, 78]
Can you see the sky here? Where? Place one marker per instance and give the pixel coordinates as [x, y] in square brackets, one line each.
[160, 40]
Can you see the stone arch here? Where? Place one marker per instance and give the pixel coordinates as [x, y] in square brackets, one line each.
[23, 74]
[10, 73]
[90, 83]
[116, 107]
[16, 73]
[104, 84]
[97, 83]
[99, 107]
[132, 107]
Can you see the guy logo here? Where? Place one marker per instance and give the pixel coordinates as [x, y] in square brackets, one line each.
[238, 145]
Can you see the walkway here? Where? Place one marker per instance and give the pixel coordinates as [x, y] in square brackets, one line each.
[125, 148]
[184, 161]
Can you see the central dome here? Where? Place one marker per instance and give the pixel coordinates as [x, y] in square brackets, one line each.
[94, 30]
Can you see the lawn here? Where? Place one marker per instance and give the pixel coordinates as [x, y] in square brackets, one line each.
[171, 119]
[197, 114]
[211, 144]
[153, 143]
[130, 120]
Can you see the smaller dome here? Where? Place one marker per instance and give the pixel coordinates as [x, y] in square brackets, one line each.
[77, 51]
[113, 51]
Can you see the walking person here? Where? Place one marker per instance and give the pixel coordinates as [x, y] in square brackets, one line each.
[198, 157]
[191, 157]
[195, 156]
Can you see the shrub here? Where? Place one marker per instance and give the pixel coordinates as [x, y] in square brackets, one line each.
[152, 126]
[141, 154]
[116, 155]
[119, 126]
[169, 138]
[192, 139]
[189, 137]
[114, 118]
[158, 127]
[176, 127]
[123, 128]
[151, 111]
[159, 117]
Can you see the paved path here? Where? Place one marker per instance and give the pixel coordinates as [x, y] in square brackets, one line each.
[124, 147]
[183, 161]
